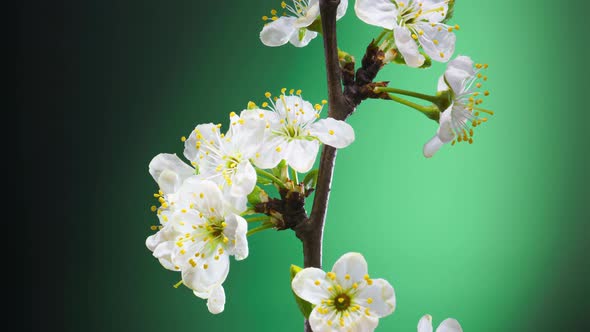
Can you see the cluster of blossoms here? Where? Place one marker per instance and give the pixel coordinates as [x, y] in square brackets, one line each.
[206, 204]
[203, 204]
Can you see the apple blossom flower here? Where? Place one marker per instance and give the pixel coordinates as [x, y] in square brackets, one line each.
[208, 233]
[225, 158]
[345, 299]
[294, 23]
[294, 132]
[447, 325]
[461, 80]
[415, 24]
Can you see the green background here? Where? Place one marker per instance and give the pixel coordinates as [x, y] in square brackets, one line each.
[494, 234]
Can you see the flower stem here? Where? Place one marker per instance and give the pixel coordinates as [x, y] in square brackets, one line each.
[433, 99]
[260, 228]
[256, 219]
[271, 177]
[381, 35]
[294, 176]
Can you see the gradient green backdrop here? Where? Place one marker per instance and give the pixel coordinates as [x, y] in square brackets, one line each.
[494, 234]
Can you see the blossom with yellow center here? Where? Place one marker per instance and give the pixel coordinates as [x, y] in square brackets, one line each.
[415, 24]
[345, 299]
[292, 24]
[462, 80]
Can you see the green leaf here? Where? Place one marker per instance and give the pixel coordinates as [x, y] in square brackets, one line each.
[304, 306]
[311, 179]
[263, 181]
[258, 195]
[450, 11]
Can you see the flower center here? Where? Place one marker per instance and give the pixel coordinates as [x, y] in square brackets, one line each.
[342, 302]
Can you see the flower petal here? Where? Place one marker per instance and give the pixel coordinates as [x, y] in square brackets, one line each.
[342, 7]
[312, 13]
[408, 47]
[320, 322]
[432, 146]
[169, 171]
[437, 41]
[244, 180]
[304, 285]
[449, 325]
[205, 273]
[302, 37]
[245, 133]
[216, 301]
[445, 132]
[425, 324]
[271, 152]
[207, 131]
[163, 253]
[352, 264]
[382, 297]
[336, 133]
[278, 32]
[459, 71]
[205, 195]
[301, 154]
[435, 10]
[381, 13]
[236, 229]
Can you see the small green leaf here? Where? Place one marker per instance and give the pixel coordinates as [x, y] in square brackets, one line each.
[304, 306]
[450, 11]
[316, 25]
[311, 179]
[257, 196]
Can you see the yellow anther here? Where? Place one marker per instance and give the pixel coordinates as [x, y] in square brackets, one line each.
[154, 228]
[183, 139]
[317, 282]
[176, 267]
[329, 322]
[340, 299]
[153, 208]
[212, 209]
[369, 300]
[324, 102]
[485, 78]
[367, 312]
[291, 91]
[486, 93]
[216, 258]
[341, 321]
[257, 154]
[317, 107]
[298, 92]
[205, 266]
[283, 90]
[442, 55]
[347, 276]
[261, 115]
[223, 224]
[251, 105]
[478, 85]
[225, 239]
[183, 210]
[457, 27]
[273, 11]
[479, 75]
[331, 275]
[267, 94]
[435, 41]
[421, 32]
[355, 285]
[450, 29]
[265, 104]
[274, 18]
[241, 121]
[265, 18]
[414, 36]
[485, 66]
[283, 4]
[278, 149]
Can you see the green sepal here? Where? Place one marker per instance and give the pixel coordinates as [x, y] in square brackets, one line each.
[304, 306]
[263, 181]
[311, 179]
[281, 171]
[257, 196]
[450, 11]
[316, 25]
[399, 59]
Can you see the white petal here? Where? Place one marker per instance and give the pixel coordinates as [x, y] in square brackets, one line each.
[449, 325]
[301, 154]
[244, 180]
[364, 323]
[342, 7]
[382, 297]
[236, 229]
[459, 71]
[291, 107]
[442, 84]
[203, 279]
[336, 133]
[319, 321]
[216, 301]
[432, 15]
[312, 14]
[445, 132]
[408, 47]
[169, 171]
[163, 253]
[437, 42]
[432, 146]
[425, 324]
[208, 132]
[381, 13]
[271, 152]
[304, 285]
[205, 195]
[278, 32]
[302, 37]
[352, 264]
[246, 133]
